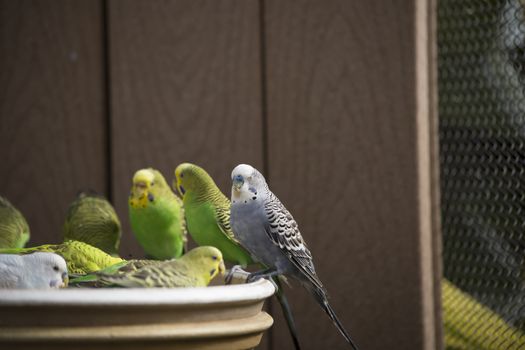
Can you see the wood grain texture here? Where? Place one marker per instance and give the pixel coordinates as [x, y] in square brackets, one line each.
[52, 121]
[341, 83]
[185, 86]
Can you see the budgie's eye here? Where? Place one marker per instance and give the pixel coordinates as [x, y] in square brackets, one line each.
[181, 175]
[214, 257]
[55, 268]
[152, 183]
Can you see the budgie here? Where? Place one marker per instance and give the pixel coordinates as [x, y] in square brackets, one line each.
[93, 220]
[269, 232]
[470, 325]
[208, 218]
[81, 258]
[194, 269]
[208, 213]
[33, 271]
[14, 230]
[156, 215]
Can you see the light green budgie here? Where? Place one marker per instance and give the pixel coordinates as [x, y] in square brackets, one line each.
[14, 230]
[93, 220]
[81, 258]
[194, 269]
[471, 325]
[156, 215]
[208, 218]
[208, 213]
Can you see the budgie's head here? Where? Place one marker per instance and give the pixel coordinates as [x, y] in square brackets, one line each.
[49, 268]
[207, 260]
[147, 183]
[248, 184]
[192, 178]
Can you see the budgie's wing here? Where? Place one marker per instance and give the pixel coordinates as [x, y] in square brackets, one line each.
[134, 265]
[222, 216]
[122, 268]
[83, 258]
[154, 276]
[283, 231]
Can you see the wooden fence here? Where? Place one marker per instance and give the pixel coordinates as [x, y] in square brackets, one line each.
[332, 100]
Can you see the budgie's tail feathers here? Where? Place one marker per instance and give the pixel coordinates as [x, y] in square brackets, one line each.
[320, 296]
[287, 311]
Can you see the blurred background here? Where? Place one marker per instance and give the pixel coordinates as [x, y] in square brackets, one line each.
[481, 60]
[333, 101]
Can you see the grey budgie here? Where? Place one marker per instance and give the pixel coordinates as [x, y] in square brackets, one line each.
[268, 231]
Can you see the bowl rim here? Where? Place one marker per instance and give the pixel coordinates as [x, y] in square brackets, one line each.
[248, 292]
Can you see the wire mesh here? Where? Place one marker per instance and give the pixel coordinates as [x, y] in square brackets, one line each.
[481, 84]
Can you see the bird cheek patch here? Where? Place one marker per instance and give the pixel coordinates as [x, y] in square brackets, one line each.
[55, 284]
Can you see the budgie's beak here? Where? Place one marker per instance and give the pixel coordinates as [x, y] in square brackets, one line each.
[65, 280]
[140, 195]
[140, 187]
[222, 268]
[177, 186]
[237, 182]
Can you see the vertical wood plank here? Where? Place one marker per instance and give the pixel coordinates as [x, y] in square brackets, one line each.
[52, 121]
[344, 131]
[185, 86]
[428, 184]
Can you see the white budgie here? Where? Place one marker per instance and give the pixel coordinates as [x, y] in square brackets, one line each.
[33, 271]
[266, 229]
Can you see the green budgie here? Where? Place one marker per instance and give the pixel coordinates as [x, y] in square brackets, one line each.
[208, 213]
[194, 269]
[156, 215]
[14, 230]
[208, 219]
[93, 220]
[81, 258]
[267, 229]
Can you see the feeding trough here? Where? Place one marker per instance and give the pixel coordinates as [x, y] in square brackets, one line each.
[216, 317]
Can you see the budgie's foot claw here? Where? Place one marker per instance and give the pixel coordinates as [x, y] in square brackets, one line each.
[235, 271]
